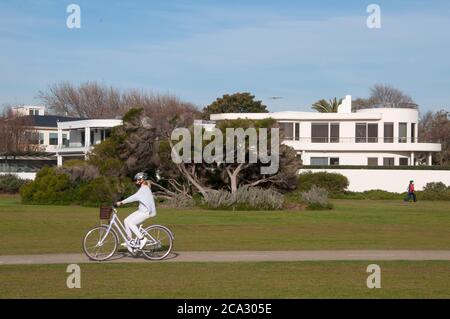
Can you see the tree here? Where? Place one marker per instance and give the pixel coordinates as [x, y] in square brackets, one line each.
[384, 95]
[324, 106]
[435, 127]
[93, 100]
[235, 103]
[17, 134]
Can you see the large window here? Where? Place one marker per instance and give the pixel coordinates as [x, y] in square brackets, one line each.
[372, 161]
[319, 132]
[402, 132]
[413, 132]
[334, 133]
[289, 130]
[388, 161]
[286, 131]
[403, 161]
[366, 132]
[389, 132]
[319, 160]
[361, 133]
[53, 138]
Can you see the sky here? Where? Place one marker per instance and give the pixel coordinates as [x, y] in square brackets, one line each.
[301, 51]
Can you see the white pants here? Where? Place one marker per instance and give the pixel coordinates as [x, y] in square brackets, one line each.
[133, 220]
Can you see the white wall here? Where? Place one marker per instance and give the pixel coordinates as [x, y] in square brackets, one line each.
[388, 179]
[31, 176]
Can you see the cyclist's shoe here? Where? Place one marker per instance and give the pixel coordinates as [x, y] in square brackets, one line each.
[142, 243]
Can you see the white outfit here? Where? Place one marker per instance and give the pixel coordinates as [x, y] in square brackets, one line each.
[146, 210]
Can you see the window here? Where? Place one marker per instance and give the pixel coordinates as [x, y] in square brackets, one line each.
[33, 112]
[361, 133]
[402, 132]
[413, 132]
[41, 138]
[319, 160]
[334, 133]
[65, 141]
[286, 131]
[319, 132]
[372, 161]
[372, 133]
[366, 132]
[297, 131]
[389, 132]
[388, 161]
[334, 160]
[403, 161]
[53, 138]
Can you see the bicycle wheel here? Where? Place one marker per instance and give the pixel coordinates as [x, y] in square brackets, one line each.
[159, 242]
[100, 245]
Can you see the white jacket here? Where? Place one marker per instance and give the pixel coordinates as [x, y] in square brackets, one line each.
[145, 198]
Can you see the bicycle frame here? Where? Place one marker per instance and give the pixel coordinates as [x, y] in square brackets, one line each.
[119, 229]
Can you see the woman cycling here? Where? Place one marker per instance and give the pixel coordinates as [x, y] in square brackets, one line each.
[146, 210]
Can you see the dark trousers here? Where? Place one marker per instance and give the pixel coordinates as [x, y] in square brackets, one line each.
[409, 196]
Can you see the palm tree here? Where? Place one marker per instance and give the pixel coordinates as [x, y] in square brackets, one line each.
[324, 106]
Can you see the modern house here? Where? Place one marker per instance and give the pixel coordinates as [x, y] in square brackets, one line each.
[55, 137]
[375, 136]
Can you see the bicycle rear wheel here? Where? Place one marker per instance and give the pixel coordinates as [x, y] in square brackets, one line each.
[159, 242]
[99, 244]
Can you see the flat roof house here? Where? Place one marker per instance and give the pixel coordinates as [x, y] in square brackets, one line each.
[375, 136]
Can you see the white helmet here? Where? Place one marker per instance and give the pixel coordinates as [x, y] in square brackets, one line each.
[140, 175]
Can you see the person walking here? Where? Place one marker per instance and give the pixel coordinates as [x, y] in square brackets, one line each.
[411, 193]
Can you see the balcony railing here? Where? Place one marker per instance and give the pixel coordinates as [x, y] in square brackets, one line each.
[352, 140]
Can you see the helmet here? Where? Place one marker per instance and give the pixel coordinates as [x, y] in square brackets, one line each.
[140, 175]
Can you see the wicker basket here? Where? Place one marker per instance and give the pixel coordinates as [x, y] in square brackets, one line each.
[105, 212]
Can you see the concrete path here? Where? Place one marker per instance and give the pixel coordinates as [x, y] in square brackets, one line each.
[240, 256]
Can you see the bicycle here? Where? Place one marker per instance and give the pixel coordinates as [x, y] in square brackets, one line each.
[101, 242]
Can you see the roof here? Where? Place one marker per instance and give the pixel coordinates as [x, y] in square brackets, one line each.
[50, 120]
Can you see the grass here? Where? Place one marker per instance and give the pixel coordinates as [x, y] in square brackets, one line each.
[362, 224]
[229, 280]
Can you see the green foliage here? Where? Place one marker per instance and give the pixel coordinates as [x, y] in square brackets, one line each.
[52, 186]
[331, 182]
[10, 184]
[235, 103]
[49, 187]
[316, 198]
[435, 191]
[370, 194]
[245, 198]
[324, 106]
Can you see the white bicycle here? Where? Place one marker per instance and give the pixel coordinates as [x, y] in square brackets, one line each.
[101, 242]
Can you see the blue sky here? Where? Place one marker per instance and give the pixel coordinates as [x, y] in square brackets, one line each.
[199, 50]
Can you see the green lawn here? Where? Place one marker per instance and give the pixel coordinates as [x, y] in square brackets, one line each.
[353, 224]
[229, 280]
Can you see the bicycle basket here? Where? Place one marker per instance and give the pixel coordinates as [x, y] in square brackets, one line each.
[105, 212]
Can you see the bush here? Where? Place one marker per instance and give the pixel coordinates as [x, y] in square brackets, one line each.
[49, 187]
[245, 198]
[332, 182]
[316, 198]
[10, 184]
[53, 186]
[370, 194]
[434, 191]
[183, 201]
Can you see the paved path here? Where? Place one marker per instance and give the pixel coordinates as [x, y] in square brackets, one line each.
[239, 256]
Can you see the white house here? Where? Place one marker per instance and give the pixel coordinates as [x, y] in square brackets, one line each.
[82, 135]
[376, 136]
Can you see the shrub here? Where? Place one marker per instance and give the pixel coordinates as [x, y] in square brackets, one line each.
[434, 191]
[316, 198]
[49, 187]
[183, 201]
[105, 189]
[437, 187]
[331, 182]
[10, 184]
[245, 198]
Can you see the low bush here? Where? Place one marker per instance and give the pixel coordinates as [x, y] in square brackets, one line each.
[316, 198]
[434, 191]
[371, 194]
[332, 182]
[11, 184]
[105, 189]
[245, 198]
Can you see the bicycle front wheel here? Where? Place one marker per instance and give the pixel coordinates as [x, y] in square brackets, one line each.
[99, 244]
[159, 242]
